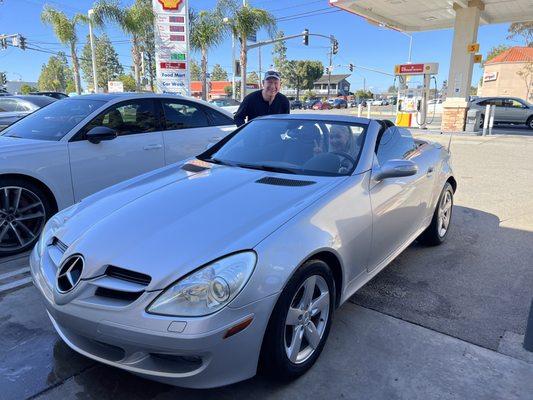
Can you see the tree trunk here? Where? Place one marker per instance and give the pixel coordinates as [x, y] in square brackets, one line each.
[244, 60]
[136, 55]
[75, 68]
[204, 74]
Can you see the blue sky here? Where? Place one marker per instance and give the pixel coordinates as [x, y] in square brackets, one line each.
[359, 42]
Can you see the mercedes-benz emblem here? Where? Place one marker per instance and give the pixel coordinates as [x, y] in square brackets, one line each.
[69, 273]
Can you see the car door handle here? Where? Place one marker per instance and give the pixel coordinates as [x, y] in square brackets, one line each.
[152, 146]
[429, 171]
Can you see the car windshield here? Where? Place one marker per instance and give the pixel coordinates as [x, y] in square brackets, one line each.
[292, 146]
[53, 121]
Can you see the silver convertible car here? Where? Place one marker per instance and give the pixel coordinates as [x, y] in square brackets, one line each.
[201, 273]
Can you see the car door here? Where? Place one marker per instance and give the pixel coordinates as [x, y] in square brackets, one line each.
[190, 128]
[399, 205]
[138, 147]
[515, 111]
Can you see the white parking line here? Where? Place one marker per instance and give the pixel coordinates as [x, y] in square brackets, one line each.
[15, 284]
[14, 273]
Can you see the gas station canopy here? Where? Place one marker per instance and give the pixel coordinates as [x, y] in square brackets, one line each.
[424, 15]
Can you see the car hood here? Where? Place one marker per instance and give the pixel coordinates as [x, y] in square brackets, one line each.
[173, 221]
[8, 143]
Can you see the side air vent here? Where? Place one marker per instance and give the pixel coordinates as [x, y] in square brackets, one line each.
[117, 294]
[126, 275]
[59, 244]
[193, 168]
[270, 180]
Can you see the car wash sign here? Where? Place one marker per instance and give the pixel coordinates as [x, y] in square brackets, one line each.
[171, 32]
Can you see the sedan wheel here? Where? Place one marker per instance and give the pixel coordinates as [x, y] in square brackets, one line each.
[299, 324]
[23, 213]
[439, 227]
[306, 319]
[445, 213]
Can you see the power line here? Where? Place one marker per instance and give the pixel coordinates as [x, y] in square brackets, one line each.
[305, 16]
[303, 13]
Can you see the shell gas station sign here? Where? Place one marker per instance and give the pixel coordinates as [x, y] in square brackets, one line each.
[416, 69]
[171, 31]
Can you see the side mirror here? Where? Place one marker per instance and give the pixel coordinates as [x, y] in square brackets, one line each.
[100, 133]
[396, 169]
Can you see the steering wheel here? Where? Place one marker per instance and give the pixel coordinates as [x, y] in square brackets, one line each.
[344, 155]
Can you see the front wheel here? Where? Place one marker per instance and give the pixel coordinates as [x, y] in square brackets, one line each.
[437, 231]
[529, 122]
[300, 322]
[24, 209]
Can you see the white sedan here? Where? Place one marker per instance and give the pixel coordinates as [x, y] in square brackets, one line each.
[77, 146]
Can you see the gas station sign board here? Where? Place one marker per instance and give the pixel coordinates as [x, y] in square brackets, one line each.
[171, 34]
[416, 69]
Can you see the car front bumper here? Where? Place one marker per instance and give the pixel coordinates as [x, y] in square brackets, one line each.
[187, 352]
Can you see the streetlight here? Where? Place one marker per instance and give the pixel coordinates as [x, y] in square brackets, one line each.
[226, 20]
[93, 54]
[410, 45]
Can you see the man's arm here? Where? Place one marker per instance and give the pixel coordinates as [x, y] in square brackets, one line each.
[241, 113]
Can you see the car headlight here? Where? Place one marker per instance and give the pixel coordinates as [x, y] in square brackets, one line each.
[208, 289]
[52, 226]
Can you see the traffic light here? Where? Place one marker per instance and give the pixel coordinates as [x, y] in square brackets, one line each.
[3, 78]
[22, 42]
[351, 67]
[335, 46]
[3, 43]
[305, 39]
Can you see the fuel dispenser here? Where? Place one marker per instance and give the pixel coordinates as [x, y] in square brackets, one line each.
[412, 105]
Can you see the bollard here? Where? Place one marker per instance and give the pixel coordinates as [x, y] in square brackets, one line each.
[486, 119]
[368, 110]
[359, 110]
[491, 122]
[528, 338]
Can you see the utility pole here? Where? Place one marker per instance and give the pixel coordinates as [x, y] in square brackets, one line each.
[330, 62]
[93, 53]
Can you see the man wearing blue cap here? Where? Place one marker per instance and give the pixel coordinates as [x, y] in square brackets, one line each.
[267, 101]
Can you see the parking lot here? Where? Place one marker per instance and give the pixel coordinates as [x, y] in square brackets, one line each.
[444, 322]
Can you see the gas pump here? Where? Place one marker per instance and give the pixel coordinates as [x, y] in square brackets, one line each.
[412, 104]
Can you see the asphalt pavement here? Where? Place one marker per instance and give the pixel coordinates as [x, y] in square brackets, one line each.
[444, 322]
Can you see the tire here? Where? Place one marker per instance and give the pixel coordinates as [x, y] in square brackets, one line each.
[279, 336]
[24, 209]
[435, 233]
[529, 122]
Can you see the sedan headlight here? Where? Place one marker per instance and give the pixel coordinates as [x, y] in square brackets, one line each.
[208, 289]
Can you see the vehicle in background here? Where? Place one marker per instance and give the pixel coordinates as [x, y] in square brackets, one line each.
[308, 105]
[321, 105]
[226, 103]
[509, 110]
[356, 102]
[55, 95]
[74, 147]
[296, 104]
[379, 102]
[340, 103]
[13, 108]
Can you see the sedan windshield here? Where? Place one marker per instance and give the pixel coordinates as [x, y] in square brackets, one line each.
[292, 146]
[53, 121]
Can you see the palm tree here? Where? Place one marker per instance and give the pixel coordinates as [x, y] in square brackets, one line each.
[135, 20]
[207, 30]
[245, 21]
[65, 30]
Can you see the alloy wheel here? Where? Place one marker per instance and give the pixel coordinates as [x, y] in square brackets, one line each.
[22, 216]
[307, 319]
[445, 213]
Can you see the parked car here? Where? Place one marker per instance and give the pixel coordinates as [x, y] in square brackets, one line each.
[379, 102]
[509, 110]
[227, 103]
[321, 105]
[203, 272]
[77, 146]
[308, 104]
[340, 103]
[55, 95]
[13, 108]
[355, 103]
[296, 104]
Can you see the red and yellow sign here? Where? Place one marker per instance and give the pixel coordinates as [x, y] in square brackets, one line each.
[170, 4]
[473, 48]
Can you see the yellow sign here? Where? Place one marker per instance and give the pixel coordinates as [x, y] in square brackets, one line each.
[478, 58]
[473, 48]
[170, 4]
